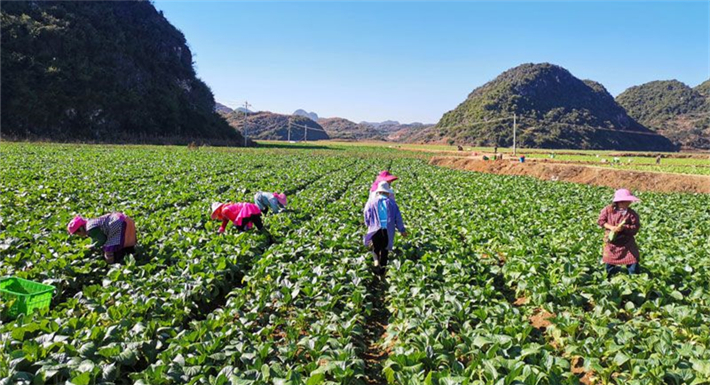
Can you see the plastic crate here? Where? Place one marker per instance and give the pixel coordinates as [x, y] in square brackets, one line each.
[27, 295]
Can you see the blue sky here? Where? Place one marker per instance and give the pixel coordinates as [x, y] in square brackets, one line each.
[413, 61]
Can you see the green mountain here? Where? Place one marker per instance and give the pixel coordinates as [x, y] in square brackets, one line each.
[103, 71]
[553, 109]
[673, 109]
[266, 125]
[704, 88]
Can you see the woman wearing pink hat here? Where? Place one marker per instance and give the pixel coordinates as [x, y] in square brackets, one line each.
[243, 215]
[115, 233]
[621, 224]
[274, 201]
[382, 218]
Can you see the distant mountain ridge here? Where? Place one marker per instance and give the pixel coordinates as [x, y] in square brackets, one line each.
[221, 108]
[340, 128]
[310, 115]
[673, 109]
[266, 125]
[554, 110]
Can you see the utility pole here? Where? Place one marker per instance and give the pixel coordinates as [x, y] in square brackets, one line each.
[514, 138]
[289, 129]
[246, 112]
[305, 133]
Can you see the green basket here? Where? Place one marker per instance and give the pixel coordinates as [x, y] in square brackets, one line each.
[27, 295]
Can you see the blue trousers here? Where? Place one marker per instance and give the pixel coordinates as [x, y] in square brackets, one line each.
[612, 270]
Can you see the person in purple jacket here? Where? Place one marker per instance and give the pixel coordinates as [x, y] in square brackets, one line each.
[382, 216]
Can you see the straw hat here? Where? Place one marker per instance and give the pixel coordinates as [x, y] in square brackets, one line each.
[215, 209]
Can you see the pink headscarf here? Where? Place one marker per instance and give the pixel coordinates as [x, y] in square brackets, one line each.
[281, 197]
[75, 224]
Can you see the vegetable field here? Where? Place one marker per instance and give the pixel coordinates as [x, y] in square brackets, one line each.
[498, 282]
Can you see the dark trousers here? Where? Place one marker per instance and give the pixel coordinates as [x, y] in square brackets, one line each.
[379, 244]
[255, 219]
[612, 270]
[120, 255]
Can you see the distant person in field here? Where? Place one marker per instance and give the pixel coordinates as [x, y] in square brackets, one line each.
[115, 233]
[274, 201]
[621, 224]
[383, 176]
[658, 159]
[243, 215]
[382, 216]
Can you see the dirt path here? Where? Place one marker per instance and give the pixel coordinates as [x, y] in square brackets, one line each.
[375, 330]
[598, 176]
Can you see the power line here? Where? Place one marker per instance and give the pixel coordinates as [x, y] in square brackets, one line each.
[305, 130]
[515, 118]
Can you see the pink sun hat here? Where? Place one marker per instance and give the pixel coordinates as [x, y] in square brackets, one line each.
[75, 224]
[383, 176]
[624, 195]
[281, 197]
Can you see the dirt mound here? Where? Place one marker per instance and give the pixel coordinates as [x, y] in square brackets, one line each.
[598, 176]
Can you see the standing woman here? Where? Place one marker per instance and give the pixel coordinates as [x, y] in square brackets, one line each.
[382, 216]
[115, 233]
[620, 224]
[275, 201]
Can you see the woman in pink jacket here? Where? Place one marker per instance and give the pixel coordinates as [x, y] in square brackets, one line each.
[243, 215]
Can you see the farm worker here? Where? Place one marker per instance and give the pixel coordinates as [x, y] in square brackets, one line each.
[274, 201]
[115, 233]
[658, 159]
[382, 216]
[383, 176]
[243, 215]
[621, 224]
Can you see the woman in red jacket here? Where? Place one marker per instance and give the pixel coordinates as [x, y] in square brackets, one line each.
[621, 224]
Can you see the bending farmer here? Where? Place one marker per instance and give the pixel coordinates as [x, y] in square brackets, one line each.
[274, 201]
[115, 233]
[243, 215]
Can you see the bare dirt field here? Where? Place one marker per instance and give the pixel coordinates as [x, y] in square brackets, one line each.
[635, 180]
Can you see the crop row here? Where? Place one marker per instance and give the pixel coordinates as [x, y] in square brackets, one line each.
[513, 288]
[117, 325]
